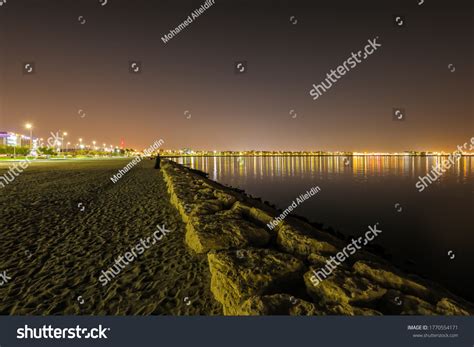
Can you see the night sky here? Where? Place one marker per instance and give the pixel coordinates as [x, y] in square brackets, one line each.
[86, 67]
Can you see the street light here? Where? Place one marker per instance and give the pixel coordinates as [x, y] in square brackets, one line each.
[30, 127]
[62, 142]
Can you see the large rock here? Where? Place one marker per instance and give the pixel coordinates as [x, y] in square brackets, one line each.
[449, 307]
[238, 275]
[343, 287]
[396, 302]
[276, 304]
[347, 292]
[391, 278]
[296, 242]
[442, 301]
[318, 260]
[223, 230]
[254, 214]
[192, 195]
[191, 208]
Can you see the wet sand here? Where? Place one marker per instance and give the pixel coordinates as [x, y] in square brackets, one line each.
[62, 223]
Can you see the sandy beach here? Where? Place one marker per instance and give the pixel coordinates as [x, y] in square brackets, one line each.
[62, 223]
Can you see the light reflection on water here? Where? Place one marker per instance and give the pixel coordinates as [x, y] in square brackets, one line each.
[360, 191]
[360, 167]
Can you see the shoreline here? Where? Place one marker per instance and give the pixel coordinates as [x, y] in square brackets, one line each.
[228, 226]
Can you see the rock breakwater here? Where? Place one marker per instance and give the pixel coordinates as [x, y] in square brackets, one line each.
[257, 271]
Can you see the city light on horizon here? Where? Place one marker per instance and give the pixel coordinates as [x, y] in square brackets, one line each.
[29, 126]
[197, 152]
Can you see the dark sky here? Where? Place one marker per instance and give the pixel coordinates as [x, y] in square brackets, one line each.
[86, 67]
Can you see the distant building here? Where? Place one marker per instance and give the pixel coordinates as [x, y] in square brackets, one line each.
[11, 139]
[3, 138]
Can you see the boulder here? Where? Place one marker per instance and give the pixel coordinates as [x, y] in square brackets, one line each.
[276, 304]
[317, 260]
[191, 209]
[448, 307]
[296, 242]
[223, 230]
[390, 278]
[342, 287]
[238, 275]
[398, 303]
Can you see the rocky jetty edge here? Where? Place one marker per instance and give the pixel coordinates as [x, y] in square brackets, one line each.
[258, 271]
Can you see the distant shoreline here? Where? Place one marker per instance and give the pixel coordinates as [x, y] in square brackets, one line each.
[312, 155]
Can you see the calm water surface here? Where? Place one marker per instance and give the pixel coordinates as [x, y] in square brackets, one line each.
[361, 191]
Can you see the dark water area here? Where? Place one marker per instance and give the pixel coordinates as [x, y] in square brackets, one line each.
[430, 232]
